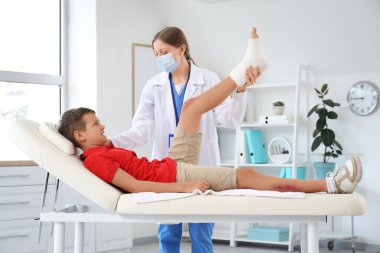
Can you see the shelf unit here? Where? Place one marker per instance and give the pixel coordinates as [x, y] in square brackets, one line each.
[300, 84]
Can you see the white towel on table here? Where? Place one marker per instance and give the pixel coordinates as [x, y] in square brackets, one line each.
[145, 197]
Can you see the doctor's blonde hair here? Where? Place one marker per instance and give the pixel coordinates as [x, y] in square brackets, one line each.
[174, 37]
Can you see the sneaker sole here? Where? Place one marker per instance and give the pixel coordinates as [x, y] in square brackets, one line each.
[359, 169]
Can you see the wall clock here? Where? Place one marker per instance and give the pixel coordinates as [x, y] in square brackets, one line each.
[363, 98]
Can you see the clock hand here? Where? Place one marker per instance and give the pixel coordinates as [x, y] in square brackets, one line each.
[357, 98]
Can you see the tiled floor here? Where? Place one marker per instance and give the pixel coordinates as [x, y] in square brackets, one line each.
[223, 247]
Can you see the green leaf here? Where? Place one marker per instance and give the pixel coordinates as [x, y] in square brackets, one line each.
[315, 133]
[332, 115]
[324, 88]
[328, 102]
[312, 110]
[317, 141]
[320, 124]
[328, 137]
[322, 113]
[317, 91]
[338, 152]
[336, 104]
[327, 154]
[338, 145]
[334, 155]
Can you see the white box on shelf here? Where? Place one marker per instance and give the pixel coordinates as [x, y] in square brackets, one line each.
[274, 119]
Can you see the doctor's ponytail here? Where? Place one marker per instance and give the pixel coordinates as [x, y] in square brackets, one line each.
[174, 37]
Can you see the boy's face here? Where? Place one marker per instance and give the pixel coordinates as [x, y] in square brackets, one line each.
[93, 135]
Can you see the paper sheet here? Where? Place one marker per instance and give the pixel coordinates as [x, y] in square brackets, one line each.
[145, 197]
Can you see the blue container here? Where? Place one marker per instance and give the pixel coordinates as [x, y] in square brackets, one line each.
[256, 146]
[321, 169]
[287, 172]
[276, 234]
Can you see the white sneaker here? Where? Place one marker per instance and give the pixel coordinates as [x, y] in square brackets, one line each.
[347, 177]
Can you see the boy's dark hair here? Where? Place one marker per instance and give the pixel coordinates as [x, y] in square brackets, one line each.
[71, 121]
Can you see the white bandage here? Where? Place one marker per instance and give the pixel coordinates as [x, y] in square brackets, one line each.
[254, 56]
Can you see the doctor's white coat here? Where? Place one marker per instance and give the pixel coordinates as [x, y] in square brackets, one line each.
[155, 116]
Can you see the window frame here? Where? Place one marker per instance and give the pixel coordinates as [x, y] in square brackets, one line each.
[45, 79]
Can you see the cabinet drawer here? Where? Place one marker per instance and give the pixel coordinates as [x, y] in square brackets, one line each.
[23, 202]
[25, 175]
[21, 237]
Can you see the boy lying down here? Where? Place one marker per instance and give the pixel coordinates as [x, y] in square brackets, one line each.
[179, 171]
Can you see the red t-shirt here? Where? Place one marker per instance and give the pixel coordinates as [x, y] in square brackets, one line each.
[103, 161]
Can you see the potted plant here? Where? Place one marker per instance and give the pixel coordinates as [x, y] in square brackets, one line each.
[278, 108]
[323, 134]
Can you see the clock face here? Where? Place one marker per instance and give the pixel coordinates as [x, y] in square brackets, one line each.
[363, 98]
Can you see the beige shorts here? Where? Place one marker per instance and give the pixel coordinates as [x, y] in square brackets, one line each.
[185, 150]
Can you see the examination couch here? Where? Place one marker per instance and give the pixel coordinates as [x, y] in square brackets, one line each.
[52, 152]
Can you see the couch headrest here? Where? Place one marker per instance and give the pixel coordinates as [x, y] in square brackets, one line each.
[50, 132]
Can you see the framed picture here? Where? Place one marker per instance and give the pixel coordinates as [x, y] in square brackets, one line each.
[143, 68]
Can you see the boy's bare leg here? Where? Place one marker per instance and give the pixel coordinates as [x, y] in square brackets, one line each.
[248, 178]
[193, 109]
[343, 179]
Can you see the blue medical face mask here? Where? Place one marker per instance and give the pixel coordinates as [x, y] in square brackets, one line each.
[167, 63]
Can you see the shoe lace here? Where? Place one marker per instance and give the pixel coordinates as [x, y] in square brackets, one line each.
[332, 173]
[339, 175]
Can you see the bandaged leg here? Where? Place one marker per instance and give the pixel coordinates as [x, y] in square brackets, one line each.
[254, 56]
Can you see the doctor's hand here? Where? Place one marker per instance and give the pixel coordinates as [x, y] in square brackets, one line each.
[199, 184]
[251, 76]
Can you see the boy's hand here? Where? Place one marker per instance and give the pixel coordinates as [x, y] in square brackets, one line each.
[199, 184]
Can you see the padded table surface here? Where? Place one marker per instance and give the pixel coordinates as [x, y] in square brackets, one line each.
[313, 204]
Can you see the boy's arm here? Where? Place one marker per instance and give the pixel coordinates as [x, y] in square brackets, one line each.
[128, 183]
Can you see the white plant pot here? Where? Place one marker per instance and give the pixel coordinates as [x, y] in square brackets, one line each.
[278, 110]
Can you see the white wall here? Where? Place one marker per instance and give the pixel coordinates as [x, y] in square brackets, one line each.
[119, 24]
[339, 39]
[338, 36]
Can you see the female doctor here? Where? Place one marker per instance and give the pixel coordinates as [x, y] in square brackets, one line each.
[158, 114]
